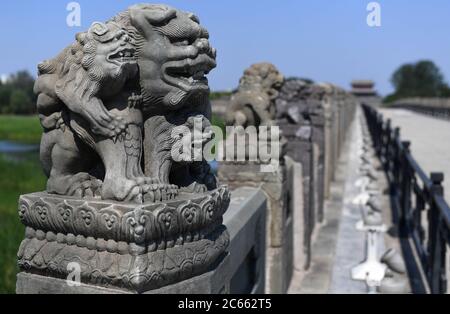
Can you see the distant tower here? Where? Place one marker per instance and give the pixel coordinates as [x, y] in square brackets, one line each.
[365, 92]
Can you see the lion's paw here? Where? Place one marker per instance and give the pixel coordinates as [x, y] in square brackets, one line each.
[80, 185]
[194, 188]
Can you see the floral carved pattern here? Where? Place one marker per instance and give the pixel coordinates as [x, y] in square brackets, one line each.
[111, 220]
[147, 271]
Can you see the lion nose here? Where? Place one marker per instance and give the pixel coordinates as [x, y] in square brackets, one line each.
[203, 46]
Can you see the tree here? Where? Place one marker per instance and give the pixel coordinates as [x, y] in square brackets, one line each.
[5, 95]
[20, 102]
[16, 94]
[421, 79]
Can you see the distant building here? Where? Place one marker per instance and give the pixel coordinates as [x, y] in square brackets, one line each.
[365, 92]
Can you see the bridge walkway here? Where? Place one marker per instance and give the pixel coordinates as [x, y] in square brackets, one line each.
[430, 141]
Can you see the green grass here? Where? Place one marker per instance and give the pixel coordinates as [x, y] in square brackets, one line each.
[19, 174]
[219, 122]
[16, 177]
[24, 129]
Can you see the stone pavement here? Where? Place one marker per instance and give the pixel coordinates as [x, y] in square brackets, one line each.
[430, 138]
[338, 246]
[350, 248]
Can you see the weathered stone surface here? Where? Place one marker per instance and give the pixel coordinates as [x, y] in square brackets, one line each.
[120, 244]
[295, 177]
[253, 105]
[279, 216]
[273, 184]
[325, 111]
[254, 102]
[279, 268]
[126, 228]
[246, 222]
[95, 97]
[211, 282]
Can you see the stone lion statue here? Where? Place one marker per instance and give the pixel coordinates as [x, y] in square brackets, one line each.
[254, 102]
[146, 66]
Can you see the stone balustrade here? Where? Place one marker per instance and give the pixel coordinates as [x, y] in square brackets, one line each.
[313, 119]
[125, 212]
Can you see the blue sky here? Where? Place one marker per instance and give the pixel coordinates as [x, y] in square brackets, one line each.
[325, 40]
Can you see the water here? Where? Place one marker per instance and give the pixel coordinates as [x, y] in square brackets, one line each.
[18, 152]
[8, 147]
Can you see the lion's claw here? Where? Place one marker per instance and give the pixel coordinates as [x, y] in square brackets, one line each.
[194, 188]
[80, 185]
[160, 192]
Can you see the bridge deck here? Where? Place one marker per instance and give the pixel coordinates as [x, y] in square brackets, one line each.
[430, 138]
[338, 245]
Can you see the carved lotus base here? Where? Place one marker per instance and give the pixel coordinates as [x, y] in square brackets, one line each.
[127, 246]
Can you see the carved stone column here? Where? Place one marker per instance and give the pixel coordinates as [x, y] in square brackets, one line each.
[301, 149]
[103, 226]
[300, 116]
[279, 251]
[253, 106]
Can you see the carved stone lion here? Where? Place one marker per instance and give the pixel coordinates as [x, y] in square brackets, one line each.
[146, 64]
[111, 105]
[254, 102]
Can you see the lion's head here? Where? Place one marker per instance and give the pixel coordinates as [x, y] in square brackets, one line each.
[105, 53]
[264, 76]
[254, 101]
[108, 53]
[174, 55]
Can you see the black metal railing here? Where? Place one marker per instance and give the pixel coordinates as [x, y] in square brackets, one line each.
[422, 214]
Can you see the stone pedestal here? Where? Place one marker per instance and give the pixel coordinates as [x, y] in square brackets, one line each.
[279, 250]
[134, 248]
[215, 281]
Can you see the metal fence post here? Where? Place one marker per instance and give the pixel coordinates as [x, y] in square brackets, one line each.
[405, 189]
[436, 243]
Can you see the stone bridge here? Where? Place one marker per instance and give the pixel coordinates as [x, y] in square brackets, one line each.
[316, 190]
[330, 222]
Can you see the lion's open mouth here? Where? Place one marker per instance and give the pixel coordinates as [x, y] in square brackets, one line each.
[123, 56]
[189, 74]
